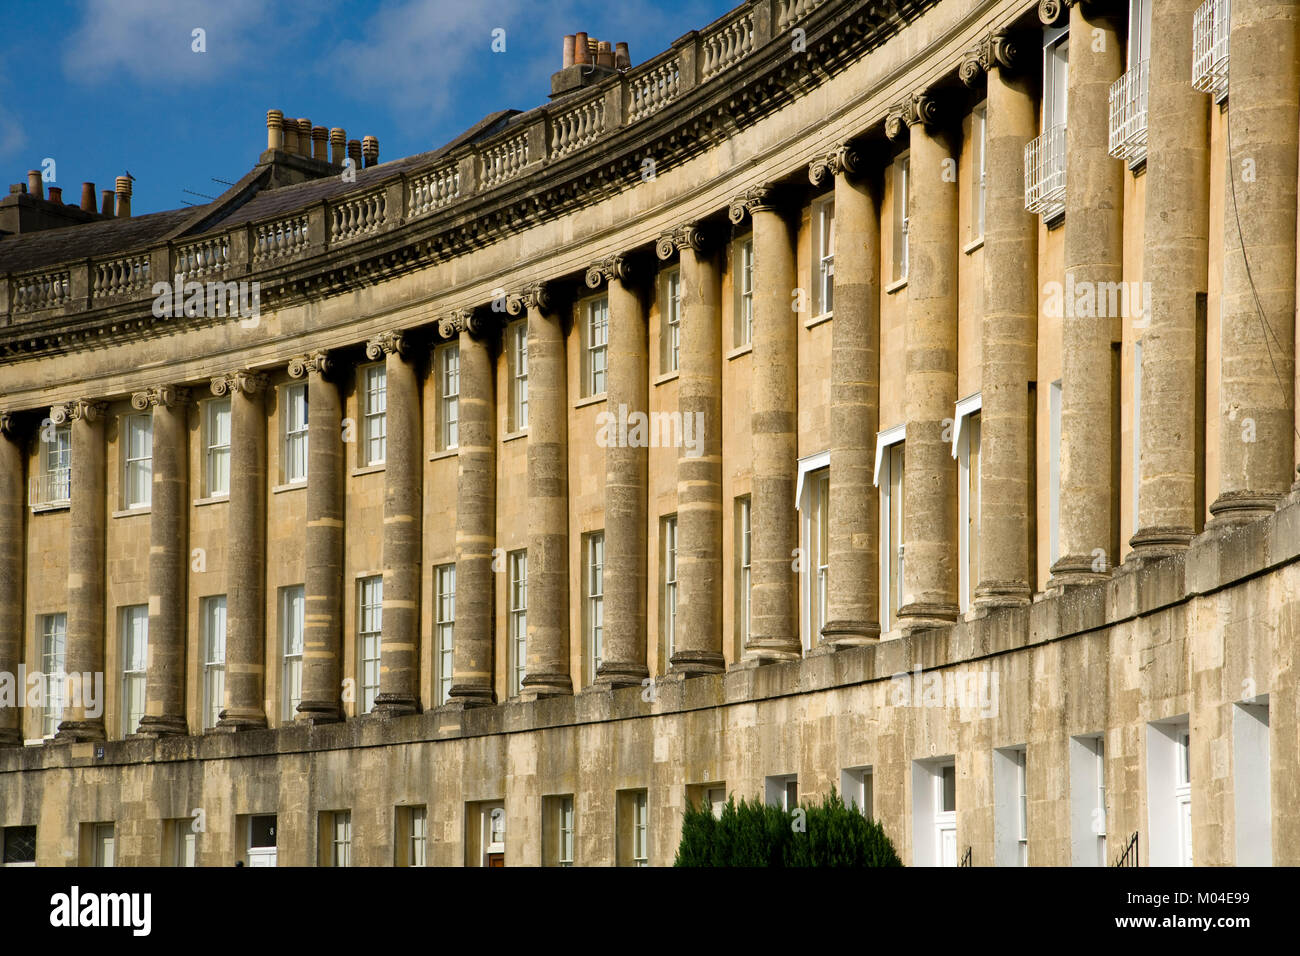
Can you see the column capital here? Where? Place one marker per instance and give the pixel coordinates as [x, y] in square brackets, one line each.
[318, 362]
[842, 159]
[393, 342]
[167, 396]
[687, 235]
[537, 295]
[82, 408]
[462, 320]
[921, 108]
[10, 425]
[617, 266]
[996, 49]
[1053, 13]
[250, 383]
[752, 200]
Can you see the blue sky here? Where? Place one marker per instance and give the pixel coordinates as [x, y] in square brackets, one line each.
[112, 85]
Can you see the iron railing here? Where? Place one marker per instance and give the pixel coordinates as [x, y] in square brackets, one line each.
[1130, 855]
[1128, 115]
[1045, 173]
[1210, 48]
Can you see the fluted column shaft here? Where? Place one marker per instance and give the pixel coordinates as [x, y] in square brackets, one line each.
[1094, 246]
[930, 379]
[623, 654]
[322, 633]
[1008, 340]
[245, 554]
[168, 560]
[475, 526]
[11, 568]
[853, 589]
[773, 396]
[1174, 264]
[547, 671]
[1257, 386]
[698, 638]
[85, 633]
[403, 483]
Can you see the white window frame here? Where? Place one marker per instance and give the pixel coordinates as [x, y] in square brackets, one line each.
[1169, 792]
[216, 448]
[823, 255]
[370, 634]
[595, 345]
[743, 260]
[415, 835]
[744, 567]
[1135, 454]
[640, 828]
[668, 586]
[593, 594]
[293, 616]
[902, 174]
[293, 442]
[373, 382]
[517, 562]
[137, 461]
[1252, 797]
[857, 789]
[184, 843]
[1056, 77]
[518, 364]
[1054, 472]
[447, 366]
[965, 438]
[670, 327]
[891, 564]
[51, 487]
[979, 169]
[133, 631]
[444, 597]
[340, 835]
[103, 843]
[494, 832]
[54, 651]
[813, 481]
[567, 831]
[212, 625]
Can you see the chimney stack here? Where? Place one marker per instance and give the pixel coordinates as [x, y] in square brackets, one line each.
[56, 194]
[88, 197]
[622, 58]
[106, 203]
[568, 50]
[123, 197]
[370, 150]
[581, 52]
[338, 146]
[35, 185]
[354, 152]
[274, 129]
[319, 143]
[304, 136]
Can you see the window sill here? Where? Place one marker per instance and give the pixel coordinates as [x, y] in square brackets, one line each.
[133, 512]
[512, 436]
[667, 377]
[740, 350]
[896, 285]
[974, 244]
[445, 453]
[589, 400]
[211, 500]
[817, 320]
[52, 506]
[290, 486]
[367, 470]
[1055, 221]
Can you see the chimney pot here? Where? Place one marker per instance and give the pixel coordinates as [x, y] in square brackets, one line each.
[56, 194]
[581, 49]
[622, 58]
[604, 54]
[370, 150]
[568, 50]
[354, 152]
[88, 197]
[338, 145]
[319, 143]
[290, 135]
[274, 129]
[123, 197]
[35, 185]
[304, 136]
[106, 202]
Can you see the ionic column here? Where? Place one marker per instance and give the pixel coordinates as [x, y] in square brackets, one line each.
[1094, 246]
[322, 633]
[1175, 250]
[245, 552]
[773, 396]
[12, 453]
[164, 711]
[623, 653]
[399, 642]
[1008, 328]
[547, 669]
[475, 514]
[930, 379]
[698, 645]
[853, 590]
[1257, 385]
[85, 634]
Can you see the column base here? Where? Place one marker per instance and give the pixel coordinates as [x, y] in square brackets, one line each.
[991, 594]
[1160, 542]
[79, 731]
[313, 712]
[11, 738]
[470, 696]
[621, 675]
[230, 721]
[695, 663]
[393, 705]
[921, 616]
[1076, 570]
[1241, 507]
[151, 726]
[847, 633]
[769, 651]
[543, 685]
